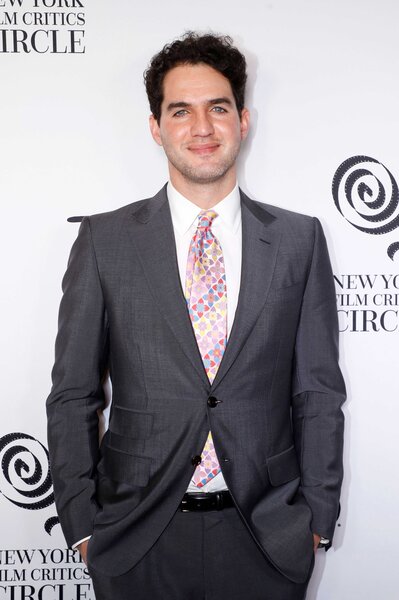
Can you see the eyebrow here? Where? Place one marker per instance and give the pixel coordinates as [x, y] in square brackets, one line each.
[211, 102]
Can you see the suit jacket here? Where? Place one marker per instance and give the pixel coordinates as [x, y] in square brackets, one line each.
[278, 429]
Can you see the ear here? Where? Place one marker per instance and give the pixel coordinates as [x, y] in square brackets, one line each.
[244, 123]
[155, 131]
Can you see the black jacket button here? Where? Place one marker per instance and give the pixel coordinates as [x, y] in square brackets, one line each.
[196, 460]
[212, 401]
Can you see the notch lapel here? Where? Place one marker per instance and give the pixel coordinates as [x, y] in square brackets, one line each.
[154, 241]
[260, 243]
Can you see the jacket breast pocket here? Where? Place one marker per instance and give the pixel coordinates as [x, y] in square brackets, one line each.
[283, 467]
[286, 293]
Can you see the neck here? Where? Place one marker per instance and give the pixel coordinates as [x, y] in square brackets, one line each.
[204, 195]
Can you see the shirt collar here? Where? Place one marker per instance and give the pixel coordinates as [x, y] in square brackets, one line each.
[184, 212]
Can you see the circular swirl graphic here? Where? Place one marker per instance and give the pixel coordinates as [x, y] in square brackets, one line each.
[393, 248]
[50, 524]
[25, 478]
[367, 195]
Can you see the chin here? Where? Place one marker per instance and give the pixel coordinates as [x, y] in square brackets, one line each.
[206, 175]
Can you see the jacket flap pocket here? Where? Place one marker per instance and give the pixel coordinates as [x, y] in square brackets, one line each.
[283, 467]
[128, 468]
[135, 424]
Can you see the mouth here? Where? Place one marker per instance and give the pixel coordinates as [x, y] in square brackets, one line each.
[203, 149]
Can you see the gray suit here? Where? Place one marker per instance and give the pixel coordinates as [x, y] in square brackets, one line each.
[278, 429]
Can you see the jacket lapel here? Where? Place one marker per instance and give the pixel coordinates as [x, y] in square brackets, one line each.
[260, 243]
[153, 237]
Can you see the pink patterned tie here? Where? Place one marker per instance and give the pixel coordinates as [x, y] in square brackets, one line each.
[207, 304]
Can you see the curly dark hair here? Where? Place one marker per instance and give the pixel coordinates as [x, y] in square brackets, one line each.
[192, 48]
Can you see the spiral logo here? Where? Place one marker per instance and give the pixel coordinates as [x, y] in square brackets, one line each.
[25, 478]
[367, 196]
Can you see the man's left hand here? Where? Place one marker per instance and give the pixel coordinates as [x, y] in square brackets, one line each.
[316, 540]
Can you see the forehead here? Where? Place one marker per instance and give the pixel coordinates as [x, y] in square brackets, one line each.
[195, 83]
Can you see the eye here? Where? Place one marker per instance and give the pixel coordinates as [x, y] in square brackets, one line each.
[219, 109]
[180, 113]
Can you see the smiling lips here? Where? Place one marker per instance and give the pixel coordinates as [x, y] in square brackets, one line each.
[203, 149]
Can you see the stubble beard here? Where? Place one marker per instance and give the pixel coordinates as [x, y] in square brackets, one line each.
[205, 173]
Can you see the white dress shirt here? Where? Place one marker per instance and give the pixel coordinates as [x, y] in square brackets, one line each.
[226, 227]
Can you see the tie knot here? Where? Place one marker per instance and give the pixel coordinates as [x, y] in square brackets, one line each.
[205, 218]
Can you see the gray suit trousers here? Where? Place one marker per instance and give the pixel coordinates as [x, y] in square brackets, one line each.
[201, 556]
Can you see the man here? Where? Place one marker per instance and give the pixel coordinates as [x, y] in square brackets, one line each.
[215, 316]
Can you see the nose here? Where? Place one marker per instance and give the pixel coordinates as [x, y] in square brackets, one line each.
[202, 125]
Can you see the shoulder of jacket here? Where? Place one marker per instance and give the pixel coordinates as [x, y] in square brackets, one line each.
[118, 214]
[286, 215]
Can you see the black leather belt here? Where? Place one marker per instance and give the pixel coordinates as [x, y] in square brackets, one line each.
[206, 501]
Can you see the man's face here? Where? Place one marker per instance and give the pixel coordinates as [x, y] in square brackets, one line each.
[200, 128]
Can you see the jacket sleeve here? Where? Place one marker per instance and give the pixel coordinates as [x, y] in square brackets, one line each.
[77, 392]
[319, 392]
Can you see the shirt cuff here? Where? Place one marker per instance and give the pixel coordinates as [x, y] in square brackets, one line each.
[80, 541]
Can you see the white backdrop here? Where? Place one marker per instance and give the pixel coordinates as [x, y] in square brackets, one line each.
[323, 87]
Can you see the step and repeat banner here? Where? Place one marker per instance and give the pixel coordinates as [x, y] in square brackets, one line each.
[323, 93]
